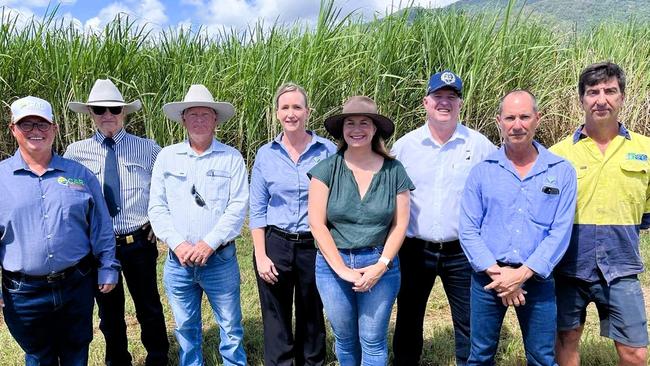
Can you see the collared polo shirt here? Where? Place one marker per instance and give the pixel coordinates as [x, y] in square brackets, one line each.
[50, 222]
[135, 157]
[439, 173]
[355, 221]
[219, 177]
[519, 221]
[279, 187]
[613, 204]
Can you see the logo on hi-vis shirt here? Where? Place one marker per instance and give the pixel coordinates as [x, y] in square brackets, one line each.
[72, 183]
[638, 157]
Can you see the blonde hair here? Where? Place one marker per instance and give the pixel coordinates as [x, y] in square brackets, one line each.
[290, 87]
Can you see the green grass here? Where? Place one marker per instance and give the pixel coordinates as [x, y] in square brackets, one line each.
[438, 333]
[389, 59]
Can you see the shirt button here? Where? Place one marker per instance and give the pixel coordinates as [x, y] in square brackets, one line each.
[46, 216]
[518, 210]
[40, 178]
[51, 255]
[43, 196]
[49, 236]
[517, 231]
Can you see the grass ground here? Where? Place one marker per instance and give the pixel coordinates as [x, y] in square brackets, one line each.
[438, 348]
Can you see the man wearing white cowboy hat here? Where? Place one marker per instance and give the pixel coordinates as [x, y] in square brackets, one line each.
[199, 196]
[56, 240]
[123, 163]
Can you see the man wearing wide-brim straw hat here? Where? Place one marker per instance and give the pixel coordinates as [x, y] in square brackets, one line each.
[199, 196]
[123, 163]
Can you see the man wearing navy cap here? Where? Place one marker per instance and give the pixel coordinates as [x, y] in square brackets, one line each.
[54, 227]
[438, 157]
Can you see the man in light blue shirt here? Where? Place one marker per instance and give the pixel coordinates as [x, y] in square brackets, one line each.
[515, 225]
[198, 201]
[437, 157]
[54, 226]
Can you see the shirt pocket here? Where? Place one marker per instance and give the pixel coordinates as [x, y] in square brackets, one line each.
[543, 206]
[137, 177]
[217, 185]
[459, 173]
[634, 182]
[175, 181]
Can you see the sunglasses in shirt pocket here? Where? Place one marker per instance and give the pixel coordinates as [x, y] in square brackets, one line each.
[217, 185]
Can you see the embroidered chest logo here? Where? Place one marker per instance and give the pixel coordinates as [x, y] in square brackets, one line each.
[638, 157]
[72, 183]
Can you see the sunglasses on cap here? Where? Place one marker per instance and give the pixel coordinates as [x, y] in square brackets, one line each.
[99, 110]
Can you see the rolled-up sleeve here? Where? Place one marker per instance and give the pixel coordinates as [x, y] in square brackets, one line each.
[259, 194]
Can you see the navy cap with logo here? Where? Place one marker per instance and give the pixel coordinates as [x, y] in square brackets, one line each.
[445, 79]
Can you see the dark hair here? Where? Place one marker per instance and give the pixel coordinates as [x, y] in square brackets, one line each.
[516, 91]
[377, 145]
[598, 73]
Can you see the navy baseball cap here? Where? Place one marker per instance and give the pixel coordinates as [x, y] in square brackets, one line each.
[445, 79]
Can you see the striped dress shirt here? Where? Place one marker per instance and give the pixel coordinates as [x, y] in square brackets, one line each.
[135, 159]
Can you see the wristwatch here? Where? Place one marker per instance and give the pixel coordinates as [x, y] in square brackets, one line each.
[386, 261]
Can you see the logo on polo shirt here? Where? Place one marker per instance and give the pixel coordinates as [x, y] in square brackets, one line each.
[72, 183]
[638, 157]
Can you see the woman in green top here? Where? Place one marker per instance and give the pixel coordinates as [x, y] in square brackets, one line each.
[358, 213]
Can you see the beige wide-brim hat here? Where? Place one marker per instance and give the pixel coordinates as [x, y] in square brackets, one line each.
[359, 106]
[199, 96]
[105, 94]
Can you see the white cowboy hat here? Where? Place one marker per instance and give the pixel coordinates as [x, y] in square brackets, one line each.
[199, 96]
[105, 94]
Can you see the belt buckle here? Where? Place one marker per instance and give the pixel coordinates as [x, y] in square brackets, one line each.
[294, 236]
[129, 239]
[55, 277]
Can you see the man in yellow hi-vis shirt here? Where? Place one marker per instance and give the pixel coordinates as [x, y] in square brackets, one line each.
[603, 260]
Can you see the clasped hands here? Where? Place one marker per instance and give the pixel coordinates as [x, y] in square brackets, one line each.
[363, 279]
[507, 281]
[193, 255]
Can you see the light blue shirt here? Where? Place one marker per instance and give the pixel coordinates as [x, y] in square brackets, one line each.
[219, 175]
[50, 222]
[438, 173]
[279, 187]
[518, 221]
[135, 157]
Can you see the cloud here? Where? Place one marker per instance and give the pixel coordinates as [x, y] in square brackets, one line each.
[150, 12]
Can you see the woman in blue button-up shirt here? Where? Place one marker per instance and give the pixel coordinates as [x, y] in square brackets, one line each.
[284, 247]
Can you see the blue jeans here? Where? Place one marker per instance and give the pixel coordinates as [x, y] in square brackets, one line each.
[359, 319]
[537, 320]
[219, 279]
[51, 321]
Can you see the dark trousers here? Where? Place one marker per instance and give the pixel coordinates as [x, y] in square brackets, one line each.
[420, 267]
[51, 321]
[138, 261]
[295, 262]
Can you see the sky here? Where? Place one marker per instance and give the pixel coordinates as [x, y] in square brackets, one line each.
[211, 15]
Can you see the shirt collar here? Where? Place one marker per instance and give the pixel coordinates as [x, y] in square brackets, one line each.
[119, 136]
[17, 162]
[545, 159]
[314, 140]
[186, 149]
[460, 133]
[579, 135]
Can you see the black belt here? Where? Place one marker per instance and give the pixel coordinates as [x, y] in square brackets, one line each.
[300, 236]
[445, 247]
[85, 264]
[126, 239]
[224, 246]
